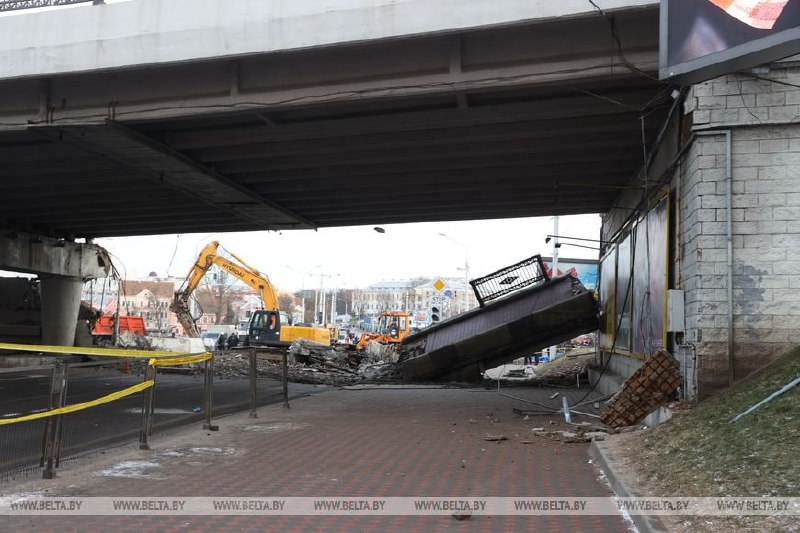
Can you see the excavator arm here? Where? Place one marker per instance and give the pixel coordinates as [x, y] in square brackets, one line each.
[207, 258]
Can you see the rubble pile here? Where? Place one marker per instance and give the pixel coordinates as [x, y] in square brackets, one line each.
[313, 363]
[562, 372]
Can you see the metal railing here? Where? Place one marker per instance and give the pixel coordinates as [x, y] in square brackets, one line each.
[88, 407]
[153, 396]
[14, 5]
[510, 279]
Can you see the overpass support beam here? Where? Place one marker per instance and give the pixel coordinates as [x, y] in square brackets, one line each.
[61, 300]
[46, 256]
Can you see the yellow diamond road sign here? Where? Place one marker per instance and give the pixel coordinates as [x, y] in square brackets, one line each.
[439, 284]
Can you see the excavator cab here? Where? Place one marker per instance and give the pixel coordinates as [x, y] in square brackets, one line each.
[265, 328]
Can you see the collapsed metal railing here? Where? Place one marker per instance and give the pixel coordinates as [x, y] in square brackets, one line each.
[509, 279]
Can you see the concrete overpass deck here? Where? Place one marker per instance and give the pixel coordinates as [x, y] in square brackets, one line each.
[486, 114]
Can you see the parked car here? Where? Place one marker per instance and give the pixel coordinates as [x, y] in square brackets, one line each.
[211, 340]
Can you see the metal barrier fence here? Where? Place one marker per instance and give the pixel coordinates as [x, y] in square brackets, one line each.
[82, 408]
[67, 410]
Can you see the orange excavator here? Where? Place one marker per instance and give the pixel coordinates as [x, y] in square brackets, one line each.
[393, 326]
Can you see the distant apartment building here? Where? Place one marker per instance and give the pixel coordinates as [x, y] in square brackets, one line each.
[416, 296]
[150, 300]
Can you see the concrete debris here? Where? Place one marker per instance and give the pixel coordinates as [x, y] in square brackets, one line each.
[571, 436]
[309, 362]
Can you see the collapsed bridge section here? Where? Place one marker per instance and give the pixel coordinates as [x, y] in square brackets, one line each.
[523, 312]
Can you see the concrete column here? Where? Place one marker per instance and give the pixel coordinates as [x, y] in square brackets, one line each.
[61, 299]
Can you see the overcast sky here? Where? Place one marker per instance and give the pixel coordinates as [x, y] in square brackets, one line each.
[355, 257]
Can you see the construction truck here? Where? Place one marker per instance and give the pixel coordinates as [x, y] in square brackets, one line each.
[393, 326]
[103, 327]
[265, 328]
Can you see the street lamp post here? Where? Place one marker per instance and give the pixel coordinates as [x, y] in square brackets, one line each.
[554, 273]
[303, 288]
[466, 260]
[322, 301]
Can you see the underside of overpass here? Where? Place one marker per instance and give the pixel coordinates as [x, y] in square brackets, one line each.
[551, 118]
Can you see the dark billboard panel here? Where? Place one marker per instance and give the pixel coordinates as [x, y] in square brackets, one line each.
[702, 39]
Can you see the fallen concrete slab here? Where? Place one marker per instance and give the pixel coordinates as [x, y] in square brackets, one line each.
[462, 347]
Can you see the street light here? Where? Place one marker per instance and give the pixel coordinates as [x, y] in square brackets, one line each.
[466, 260]
[550, 237]
[466, 255]
[322, 293]
[303, 287]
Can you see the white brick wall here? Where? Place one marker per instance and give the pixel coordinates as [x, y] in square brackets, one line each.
[764, 119]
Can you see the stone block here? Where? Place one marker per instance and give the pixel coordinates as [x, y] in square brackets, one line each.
[752, 294]
[775, 226]
[774, 146]
[705, 214]
[789, 240]
[781, 114]
[785, 322]
[724, 116]
[771, 99]
[771, 200]
[758, 213]
[711, 102]
[747, 200]
[787, 296]
[720, 88]
[712, 201]
[785, 213]
[773, 173]
[713, 281]
[745, 228]
[772, 254]
[714, 228]
[774, 282]
[751, 160]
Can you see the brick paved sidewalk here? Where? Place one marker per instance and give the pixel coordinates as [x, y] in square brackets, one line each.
[374, 442]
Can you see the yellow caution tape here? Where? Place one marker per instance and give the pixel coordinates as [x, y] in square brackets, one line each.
[80, 406]
[180, 360]
[82, 350]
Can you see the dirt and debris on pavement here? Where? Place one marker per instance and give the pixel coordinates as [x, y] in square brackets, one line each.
[312, 363]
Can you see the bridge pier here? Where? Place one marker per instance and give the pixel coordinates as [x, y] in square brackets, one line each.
[61, 300]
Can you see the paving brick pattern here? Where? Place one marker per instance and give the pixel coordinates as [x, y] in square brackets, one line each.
[384, 442]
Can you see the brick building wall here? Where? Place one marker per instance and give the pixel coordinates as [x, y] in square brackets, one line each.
[765, 158]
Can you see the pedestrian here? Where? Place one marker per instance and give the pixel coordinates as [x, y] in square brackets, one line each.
[233, 341]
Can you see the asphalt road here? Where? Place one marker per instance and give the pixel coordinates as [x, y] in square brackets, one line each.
[178, 401]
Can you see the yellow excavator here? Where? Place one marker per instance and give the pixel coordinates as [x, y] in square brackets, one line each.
[265, 327]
